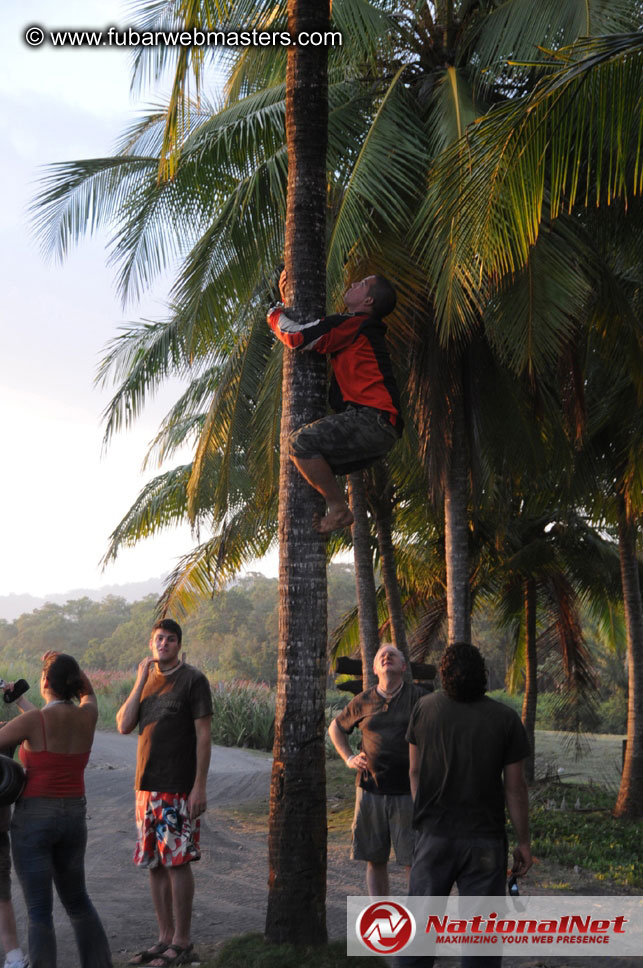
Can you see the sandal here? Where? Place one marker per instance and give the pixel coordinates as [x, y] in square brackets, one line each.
[183, 956]
[148, 954]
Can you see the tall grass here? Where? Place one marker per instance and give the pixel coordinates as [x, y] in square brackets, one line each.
[112, 689]
[243, 714]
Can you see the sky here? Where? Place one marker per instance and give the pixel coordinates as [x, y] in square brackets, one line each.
[59, 498]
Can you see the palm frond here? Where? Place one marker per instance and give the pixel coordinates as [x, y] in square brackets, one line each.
[247, 535]
[383, 180]
[140, 358]
[526, 31]
[535, 314]
[229, 418]
[161, 504]
[580, 133]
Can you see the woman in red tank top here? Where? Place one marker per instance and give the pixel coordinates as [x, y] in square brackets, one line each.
[48, 830]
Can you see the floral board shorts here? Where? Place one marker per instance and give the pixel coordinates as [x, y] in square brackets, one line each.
[166, 835]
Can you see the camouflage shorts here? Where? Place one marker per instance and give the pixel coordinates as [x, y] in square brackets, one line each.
[349, 440]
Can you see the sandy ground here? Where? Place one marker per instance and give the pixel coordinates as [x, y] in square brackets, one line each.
[231, 877]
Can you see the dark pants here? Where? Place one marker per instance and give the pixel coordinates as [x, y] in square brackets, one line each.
[48, 840]
[478, 866]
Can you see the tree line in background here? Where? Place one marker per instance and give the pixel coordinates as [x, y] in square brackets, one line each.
[486, 157]
[234, 635]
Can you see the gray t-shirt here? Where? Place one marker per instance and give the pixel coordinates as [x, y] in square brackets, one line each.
[166, 753]
[463, 749]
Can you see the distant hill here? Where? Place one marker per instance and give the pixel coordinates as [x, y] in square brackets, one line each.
[11, 606]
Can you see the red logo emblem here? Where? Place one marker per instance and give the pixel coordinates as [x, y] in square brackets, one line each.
[385, 927]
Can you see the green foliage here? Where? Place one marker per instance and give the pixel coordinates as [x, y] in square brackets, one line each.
[243, 715]
[508, 699]
[252, 951]
[112, 689]
[589, 838]
[609, 717]
[232, 635]
[613, 714]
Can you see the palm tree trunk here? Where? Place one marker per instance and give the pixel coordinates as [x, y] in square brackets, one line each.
[531, 675]
[456, 529]
[297, 825]
[381, 503]
[369, 639]
[383, 524]
[629, 802]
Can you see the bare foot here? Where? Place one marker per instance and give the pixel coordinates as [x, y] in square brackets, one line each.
[333, 521]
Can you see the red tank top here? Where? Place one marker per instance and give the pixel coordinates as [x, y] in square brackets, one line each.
[53, 774]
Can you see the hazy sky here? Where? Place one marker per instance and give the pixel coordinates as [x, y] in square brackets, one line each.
[59, 498]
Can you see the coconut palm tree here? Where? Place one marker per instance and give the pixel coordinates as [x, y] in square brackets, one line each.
[549, 563]
[297, 825]
[367, 610]
[410, 85]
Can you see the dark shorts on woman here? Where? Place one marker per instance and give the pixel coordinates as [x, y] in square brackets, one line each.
[5, 854]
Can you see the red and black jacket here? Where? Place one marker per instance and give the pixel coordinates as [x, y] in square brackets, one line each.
[359, 357]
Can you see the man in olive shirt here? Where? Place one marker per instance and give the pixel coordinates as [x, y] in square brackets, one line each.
[172, 704]
[466, 754]
[383, 805]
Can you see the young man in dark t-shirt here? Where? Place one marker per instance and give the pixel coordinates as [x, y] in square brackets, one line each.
[363, 392]
[383, 805]
[466, 753]
[172, 704]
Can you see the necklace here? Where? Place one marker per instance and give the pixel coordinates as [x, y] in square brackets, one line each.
[168, 672]
[389, 695]
[55, 702]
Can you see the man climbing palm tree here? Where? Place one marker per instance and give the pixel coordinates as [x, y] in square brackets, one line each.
[363, 392]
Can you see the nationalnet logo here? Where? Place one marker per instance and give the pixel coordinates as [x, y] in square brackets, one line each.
[385, 927]
[562, 926]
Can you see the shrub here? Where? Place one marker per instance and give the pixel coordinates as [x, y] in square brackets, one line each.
[613, 714]
[112, 689]
[509, 699]
[589, 837]
[243, 714]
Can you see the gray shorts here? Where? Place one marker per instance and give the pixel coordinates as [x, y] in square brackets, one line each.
[381, 820]
[348, 441]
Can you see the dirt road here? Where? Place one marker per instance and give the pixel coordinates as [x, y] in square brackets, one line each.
[231, 889]
[232, 869]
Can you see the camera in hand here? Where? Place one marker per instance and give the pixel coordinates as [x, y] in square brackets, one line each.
[19, 688]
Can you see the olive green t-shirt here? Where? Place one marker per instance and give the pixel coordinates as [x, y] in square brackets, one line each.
[463, 749]
[166, 753]
[383, 725]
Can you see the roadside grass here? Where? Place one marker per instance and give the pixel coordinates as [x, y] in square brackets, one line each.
[583, 834]
[252, 951]
[591, 758]
[588, 838]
